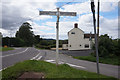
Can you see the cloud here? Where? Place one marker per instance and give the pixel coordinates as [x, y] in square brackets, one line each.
[107, 26]
[16, 1]
[4, 32]
[85, 7]
[38, 27]
[108, 6]
[80, 8]
[15, 13]
[88, 0]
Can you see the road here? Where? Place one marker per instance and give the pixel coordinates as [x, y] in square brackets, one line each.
[9, 58]
[77, 53]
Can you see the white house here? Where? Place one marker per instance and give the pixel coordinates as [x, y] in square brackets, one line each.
[78, 40]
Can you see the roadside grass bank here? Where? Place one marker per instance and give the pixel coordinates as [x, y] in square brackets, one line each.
[106, 60]
[51, 71]
[6, 49]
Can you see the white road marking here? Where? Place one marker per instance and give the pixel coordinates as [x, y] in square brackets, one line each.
[49, 60]
[35, 57]
[39, 58]
[2, 69]
[15, 53]
[60, 62]
[75, 65]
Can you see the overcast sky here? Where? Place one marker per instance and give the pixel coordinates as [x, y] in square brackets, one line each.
[15, 12]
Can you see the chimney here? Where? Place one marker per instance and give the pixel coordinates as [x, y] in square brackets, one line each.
[75, 25]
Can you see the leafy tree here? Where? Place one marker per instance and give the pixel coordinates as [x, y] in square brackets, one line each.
[107, 46]
[16, 42]
[5, 41]
[37, 39]
[26, 34]
[12, 42]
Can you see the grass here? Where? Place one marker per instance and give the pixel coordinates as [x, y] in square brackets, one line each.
[107, 60]
[50, 70]
[6, 49]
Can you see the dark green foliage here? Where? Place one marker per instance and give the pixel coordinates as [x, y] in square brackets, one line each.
[42, 46]
[103, 51]
[6, 41]
[50, 43]
[12, 42]
[37, 39]
[26, 34]
[17, 42]
[117, 47]
[106, 60]
[108, 47]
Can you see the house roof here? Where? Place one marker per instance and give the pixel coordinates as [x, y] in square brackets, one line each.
[88, 35]
[76, 28]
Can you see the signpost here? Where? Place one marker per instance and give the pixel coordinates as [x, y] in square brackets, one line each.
[58, 14]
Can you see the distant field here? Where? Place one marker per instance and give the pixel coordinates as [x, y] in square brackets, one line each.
[6, 49]
[61, 72]
[107, 60]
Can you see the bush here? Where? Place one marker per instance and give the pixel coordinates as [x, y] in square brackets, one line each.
[103, 51]
[14, 42]
[107, 46]
[42, 47]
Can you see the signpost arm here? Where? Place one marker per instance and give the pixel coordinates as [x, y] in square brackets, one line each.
[57, 37]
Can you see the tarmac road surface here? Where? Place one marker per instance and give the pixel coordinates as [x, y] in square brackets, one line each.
[9, 58]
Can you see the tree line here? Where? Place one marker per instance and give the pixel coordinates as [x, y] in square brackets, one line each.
[25, 37]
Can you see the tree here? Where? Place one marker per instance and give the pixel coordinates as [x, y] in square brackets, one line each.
[107, 46]
[12, 42]
[26, 34]
[5, 41]
[36, 39]
[16, 42]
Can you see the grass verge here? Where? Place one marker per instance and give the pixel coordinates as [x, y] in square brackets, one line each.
[107, 60]
[62, 72]
[6, 49]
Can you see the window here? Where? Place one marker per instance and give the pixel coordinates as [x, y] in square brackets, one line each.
[80, 45]
[86, 45]
[70, 45]
[66, 45]
[72, 32]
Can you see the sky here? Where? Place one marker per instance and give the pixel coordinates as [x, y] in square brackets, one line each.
[14, 13]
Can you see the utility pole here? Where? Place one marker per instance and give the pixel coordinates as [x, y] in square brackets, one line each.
[58, 14]
[96, 40]
[90, 39]
[98, 19]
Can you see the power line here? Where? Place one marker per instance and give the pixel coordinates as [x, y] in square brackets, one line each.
[64, 4]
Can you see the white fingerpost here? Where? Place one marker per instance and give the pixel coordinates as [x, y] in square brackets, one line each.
[57, 37]
[58, 14]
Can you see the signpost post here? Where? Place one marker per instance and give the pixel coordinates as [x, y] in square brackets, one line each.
[58, 14]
